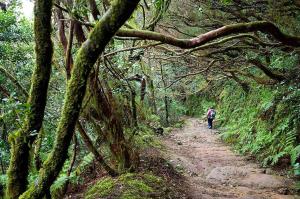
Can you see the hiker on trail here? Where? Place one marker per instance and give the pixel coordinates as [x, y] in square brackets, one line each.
[211, 114]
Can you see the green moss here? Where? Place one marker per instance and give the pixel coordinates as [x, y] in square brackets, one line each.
[126, 177]
[150, 178]
[100, 189]
[127, 186]
[139, 185]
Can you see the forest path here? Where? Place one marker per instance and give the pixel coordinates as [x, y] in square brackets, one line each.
[213, 171]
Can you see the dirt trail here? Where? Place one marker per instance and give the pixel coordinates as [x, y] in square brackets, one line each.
[212, 170]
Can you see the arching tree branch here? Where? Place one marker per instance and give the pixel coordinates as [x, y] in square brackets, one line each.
[259, 80]
[263, 26]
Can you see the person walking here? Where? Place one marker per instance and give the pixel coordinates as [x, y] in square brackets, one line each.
[211, 114]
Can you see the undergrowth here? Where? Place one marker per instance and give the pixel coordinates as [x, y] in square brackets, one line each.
[263, 123]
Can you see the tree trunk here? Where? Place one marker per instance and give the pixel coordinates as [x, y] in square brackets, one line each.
[85, 59]
[94, 9]
[37, 147]
[166, 99]
[23, 138]
[2, 166]
[152, 95]
[134, 111]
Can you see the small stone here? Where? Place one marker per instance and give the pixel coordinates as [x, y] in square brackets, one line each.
[283, 191]
[179, 142]
[268, 171]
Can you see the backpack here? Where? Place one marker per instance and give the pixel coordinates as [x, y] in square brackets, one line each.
[212, 114]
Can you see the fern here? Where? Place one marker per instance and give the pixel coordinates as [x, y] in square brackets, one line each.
[295, 153]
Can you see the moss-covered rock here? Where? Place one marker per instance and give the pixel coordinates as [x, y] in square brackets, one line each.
[102, 188]
[128, 186]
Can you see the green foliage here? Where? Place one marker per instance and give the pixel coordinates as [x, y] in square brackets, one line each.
[85, 162]
[3, 179]
[295, 153]
[12, 112]
[266, 128]
[197, 106]
[226, 1]
[145, 137]
[16, 57]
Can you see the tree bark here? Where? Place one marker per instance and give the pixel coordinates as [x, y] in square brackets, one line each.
[134, 111]
[152, 94]
[69, 58]
[166, 99]
[85, 59]
[94, 9]
[23, 138]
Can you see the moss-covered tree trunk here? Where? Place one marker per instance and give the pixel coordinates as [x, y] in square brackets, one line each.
[134, 111]
[166, 99]
[23, 138]
[85, 59]
[152, 95]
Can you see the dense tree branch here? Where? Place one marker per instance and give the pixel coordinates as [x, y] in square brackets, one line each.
[263, 26]
[132, 48]
[14, 81]
[4, 91]
[205, 46]
[61, 28]
[178, 78]
[259, 80]
[267, 71]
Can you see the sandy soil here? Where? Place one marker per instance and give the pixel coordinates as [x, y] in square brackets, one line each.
[213, 170]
